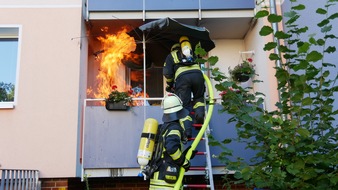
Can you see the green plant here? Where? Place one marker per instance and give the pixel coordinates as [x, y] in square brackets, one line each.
[116, 96]
[6, 92]
[296, 144]
[243, 71]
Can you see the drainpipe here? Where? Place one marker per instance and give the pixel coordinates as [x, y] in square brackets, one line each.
[275, 29]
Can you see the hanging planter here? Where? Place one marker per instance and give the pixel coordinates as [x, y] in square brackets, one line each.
[111, 106]
[118, 100]
[241, 77]
[243, 71]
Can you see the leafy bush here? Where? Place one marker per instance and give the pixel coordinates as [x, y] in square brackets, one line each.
[296, 144]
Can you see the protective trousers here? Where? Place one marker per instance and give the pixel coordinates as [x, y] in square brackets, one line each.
[192, 82]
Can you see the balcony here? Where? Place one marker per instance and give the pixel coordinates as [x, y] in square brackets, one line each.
[111, 140]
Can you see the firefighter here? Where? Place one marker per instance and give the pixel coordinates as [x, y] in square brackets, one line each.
[184, 75]
[171, 155]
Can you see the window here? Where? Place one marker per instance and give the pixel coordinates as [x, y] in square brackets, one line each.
[9, 41]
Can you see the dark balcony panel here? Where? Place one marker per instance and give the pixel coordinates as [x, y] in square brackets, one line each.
[114, 5]
[227, 4]
[156, 5]
[111, 138]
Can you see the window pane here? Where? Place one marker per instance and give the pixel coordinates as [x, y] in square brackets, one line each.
[8, 64]
[154, 83]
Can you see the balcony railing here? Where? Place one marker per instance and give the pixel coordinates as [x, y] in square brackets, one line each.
[17, 179]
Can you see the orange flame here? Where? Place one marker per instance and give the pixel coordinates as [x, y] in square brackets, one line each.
[116, 48]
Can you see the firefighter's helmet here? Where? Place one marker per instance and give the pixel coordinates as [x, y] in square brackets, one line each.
[173, 108]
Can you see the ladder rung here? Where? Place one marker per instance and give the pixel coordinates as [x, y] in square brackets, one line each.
[197, 186]
[196, 168]
[197, 125]
[193, 138]
[200, 153]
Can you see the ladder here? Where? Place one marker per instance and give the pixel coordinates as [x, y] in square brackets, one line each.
[202, 135]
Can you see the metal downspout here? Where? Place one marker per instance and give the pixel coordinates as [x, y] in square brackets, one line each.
[275, 29]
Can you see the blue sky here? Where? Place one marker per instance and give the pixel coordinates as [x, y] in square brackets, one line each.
[8, 58]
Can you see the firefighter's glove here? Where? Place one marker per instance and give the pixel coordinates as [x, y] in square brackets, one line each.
[186, 165]
[182, 160]
[169, 89]
[194, 152]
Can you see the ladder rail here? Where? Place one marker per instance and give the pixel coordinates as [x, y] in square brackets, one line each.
[208, 159]
[200, 134]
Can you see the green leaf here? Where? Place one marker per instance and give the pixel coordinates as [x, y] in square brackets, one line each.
[298, 7]
[226, 141]
[265, 30]
[321, 42]
[290, 14]
[283, 48]
[330, 36]
[273, 56]
[326, 29]
[302, 65]
[314, 56]
[301, 30]
[304, 48]
[312, 40]
[334, 16]
[326, 73]
[290, 168]
[281, 35]
[330, 49]
[200, 60]
[262, 13]
[307, 101]
[323, 23]
[199, 50]
[334, 179]
[292, 20]
[269, 46]
[321, 11]
[303, 132]
[246, 173]
[213, 60]
[273, 18]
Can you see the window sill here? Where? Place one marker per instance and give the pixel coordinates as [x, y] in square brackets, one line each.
[6, 105]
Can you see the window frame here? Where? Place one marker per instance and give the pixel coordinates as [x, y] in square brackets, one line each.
[12, 104]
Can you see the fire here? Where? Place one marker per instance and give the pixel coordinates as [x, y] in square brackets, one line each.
[115, 49]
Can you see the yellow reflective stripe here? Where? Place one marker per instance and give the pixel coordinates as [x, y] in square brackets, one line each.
[174, 132]
[160, 184]
[174, 55]
[182, 124]
[169, 80]
[176, 155]
[186, 118]
[198, 104]
[186, 68]
[156, 174]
